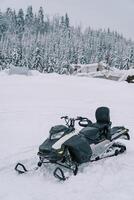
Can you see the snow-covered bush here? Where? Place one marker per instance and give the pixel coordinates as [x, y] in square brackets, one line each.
[18, 70]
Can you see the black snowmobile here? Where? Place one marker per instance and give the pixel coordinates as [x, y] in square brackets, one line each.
[130, 79]
[68, 148]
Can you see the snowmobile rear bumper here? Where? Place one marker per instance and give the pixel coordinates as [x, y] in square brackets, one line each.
[121, 132]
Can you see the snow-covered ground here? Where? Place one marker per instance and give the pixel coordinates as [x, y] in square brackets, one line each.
[30, 105]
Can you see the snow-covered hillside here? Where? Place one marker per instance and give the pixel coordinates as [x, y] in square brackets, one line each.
[30, 105]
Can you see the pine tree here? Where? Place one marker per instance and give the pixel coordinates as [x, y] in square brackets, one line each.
[29, 21]
[29, 16]
[131, 59]
[41, 20]
[15, 57]
[3, 25]
[20, 32]
[67, 20]
[11, 20]
[37, 60]
[20, 24]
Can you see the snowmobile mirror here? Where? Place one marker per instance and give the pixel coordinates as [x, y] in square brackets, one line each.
[84, 122]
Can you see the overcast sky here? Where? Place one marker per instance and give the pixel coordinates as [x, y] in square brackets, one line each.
[116, 14]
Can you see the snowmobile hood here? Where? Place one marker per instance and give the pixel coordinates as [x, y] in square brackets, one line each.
[46, 146]
[58, 131]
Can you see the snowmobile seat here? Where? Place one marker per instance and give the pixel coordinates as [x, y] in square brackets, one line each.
[91, 133]
[103, 115]
[103, 122]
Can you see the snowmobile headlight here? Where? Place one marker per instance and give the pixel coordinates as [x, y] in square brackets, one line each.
[60, 151]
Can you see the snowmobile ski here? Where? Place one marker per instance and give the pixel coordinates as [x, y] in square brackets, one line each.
[21, 169]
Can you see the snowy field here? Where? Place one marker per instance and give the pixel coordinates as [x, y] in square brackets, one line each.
[30, 105]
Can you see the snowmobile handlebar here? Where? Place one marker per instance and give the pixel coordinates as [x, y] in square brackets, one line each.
[79, 118]
[64, 117]
[70, 122]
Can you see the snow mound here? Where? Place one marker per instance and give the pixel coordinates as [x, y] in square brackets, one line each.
[35, 73]
[13, 70]
[20, 71]
[4, 72]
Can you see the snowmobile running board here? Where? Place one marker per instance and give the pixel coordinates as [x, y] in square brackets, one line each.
[116, 153]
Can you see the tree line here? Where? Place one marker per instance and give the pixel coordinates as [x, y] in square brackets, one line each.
[52, 44]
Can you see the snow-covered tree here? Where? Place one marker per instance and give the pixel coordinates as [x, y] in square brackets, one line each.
[37, 60]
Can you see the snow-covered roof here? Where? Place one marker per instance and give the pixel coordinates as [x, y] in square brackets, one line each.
[85, 65]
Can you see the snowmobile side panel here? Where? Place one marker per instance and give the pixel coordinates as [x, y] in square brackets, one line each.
[79, 149]
[62, 140]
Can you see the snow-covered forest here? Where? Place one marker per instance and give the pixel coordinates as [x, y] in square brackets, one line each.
[51, 44]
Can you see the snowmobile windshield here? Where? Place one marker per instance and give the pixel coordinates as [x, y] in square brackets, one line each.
[56, 135]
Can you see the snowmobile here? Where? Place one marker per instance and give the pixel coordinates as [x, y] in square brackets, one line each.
[130, 79]
[68, 148]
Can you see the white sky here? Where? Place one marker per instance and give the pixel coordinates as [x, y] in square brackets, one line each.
[116, 14]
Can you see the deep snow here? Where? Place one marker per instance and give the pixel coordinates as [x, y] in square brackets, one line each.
[30, 105]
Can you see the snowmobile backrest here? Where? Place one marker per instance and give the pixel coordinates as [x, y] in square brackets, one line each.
[103, 115]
